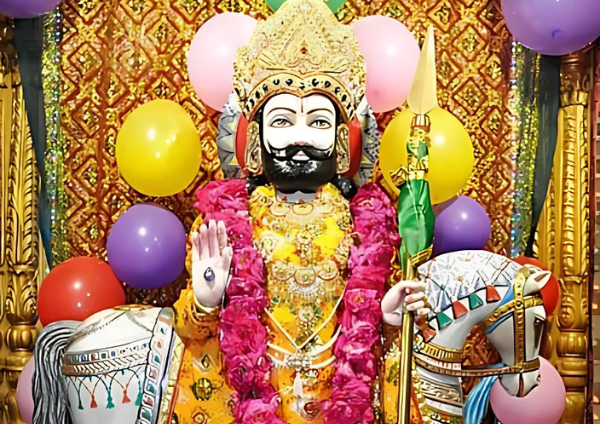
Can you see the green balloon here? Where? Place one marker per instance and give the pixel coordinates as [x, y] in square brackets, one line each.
[334, 5]
[275, 4]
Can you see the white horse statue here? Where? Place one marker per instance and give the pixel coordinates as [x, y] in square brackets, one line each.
[466, 289]
[120, 365]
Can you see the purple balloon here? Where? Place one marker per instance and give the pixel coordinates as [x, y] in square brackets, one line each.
[146, 247]
[463, 224]
[22, 9]
[553, 27]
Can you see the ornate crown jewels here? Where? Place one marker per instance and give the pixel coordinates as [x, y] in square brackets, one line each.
[301, 49]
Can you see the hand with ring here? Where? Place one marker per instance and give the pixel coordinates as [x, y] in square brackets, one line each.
[211, 263]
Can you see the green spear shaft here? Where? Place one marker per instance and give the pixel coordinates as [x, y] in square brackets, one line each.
[415, 224]
[415, 213]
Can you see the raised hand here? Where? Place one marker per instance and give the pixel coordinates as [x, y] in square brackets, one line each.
[409, 294]
[211, 263]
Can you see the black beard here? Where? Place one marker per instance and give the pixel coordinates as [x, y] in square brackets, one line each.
[288, 153]
[289, 176]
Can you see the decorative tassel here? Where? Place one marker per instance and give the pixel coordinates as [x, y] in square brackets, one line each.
[443, 320]
[475, 301]
[459, 309]
[491, 294]
[428, 333]
[138, 401]
[110, 404]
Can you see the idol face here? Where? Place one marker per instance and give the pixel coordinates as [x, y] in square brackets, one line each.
[298, 142]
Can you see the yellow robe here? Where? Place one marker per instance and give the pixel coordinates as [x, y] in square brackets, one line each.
[305, 248]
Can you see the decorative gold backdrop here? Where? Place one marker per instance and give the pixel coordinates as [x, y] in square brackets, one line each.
[117, 55]
[22, 260]
[564, 235]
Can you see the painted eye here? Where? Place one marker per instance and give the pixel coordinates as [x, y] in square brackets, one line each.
[280, 123]
[321, 123]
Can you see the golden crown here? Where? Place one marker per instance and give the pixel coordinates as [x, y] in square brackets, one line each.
[302, 49]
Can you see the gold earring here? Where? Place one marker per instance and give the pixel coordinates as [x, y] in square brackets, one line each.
[343, 149]
[253, 159]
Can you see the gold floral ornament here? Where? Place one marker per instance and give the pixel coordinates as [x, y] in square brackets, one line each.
[301, 50]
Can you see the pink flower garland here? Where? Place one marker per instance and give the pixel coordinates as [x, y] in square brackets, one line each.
[243, 336]
[356, 366]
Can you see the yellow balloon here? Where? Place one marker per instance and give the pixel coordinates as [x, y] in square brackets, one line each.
[450, 155]
[158, 149]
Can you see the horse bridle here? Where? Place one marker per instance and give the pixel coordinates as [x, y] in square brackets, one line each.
[447, 361]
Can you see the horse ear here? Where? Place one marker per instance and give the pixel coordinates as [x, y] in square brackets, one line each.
[536, 282]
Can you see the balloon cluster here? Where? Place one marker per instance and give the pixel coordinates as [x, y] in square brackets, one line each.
[390, 50]
[553, 27]
[158, 153]
[461, 223]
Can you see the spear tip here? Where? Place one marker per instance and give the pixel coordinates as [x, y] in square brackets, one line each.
[423, 94]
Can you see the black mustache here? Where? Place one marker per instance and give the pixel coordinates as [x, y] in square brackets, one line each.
[287, 153]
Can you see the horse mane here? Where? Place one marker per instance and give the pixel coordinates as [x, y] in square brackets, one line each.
[49, 391]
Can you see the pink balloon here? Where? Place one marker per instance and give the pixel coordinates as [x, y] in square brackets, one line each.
[391, 54]
[212, 54]
[543, 405]
[24, 392]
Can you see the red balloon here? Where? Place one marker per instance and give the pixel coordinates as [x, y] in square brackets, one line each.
[550, 295]
[551, 291]
[78, 288]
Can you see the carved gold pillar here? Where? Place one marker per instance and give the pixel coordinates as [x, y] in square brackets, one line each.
[20, 249]
[564, 236]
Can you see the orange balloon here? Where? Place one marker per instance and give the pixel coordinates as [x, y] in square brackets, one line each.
[78, 288]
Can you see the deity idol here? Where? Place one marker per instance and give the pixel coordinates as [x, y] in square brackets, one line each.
[293, 311]
[298, 312]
